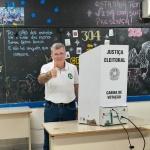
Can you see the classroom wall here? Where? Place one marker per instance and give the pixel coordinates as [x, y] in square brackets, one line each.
[96, 18]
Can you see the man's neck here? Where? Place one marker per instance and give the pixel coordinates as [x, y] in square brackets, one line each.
[61, 66]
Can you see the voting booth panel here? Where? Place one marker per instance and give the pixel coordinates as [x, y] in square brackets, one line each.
[103, 81]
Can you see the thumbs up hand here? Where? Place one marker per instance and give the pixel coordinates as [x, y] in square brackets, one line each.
[54, 71]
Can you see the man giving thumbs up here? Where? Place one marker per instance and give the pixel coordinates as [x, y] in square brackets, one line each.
[61, 88]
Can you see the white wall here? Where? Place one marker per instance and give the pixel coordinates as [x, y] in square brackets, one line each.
[139, 109]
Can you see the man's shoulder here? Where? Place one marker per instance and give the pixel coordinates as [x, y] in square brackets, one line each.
[71, 65]
[47, 65]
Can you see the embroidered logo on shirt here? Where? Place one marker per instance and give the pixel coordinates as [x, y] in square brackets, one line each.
[70, 76]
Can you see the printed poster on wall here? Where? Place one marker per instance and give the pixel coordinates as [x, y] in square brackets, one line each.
[11, 16]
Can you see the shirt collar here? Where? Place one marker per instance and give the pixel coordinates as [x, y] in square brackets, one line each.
[66, 65]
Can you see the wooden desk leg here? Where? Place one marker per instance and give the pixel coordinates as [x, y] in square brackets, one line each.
[51, 142]
[29, 130]
[29, 143]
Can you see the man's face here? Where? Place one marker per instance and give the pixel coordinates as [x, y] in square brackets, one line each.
[58, 56]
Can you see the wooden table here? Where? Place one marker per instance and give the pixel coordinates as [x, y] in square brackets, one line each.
[15, 123]
[145, 127]
[71, 135]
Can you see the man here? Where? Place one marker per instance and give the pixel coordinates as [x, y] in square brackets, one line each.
[61, 88]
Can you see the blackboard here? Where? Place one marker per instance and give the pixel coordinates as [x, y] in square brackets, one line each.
[138, 40]
[24, 50]
[87, 39]
[2, 69]
[81, 13]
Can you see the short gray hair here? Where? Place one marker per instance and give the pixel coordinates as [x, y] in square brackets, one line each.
[58, 46]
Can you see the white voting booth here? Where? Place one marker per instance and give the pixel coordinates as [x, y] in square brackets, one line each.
[103, 85]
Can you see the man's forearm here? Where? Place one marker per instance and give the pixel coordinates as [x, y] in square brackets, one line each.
[44, 77]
